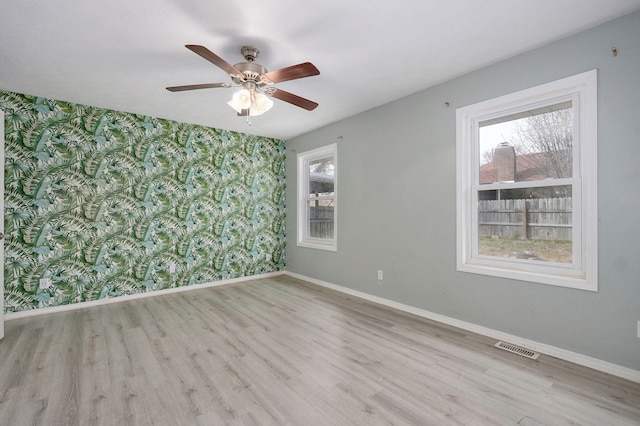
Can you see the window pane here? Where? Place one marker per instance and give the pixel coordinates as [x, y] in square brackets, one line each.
[321, 218]
[528, 146]
[526, 223]
[322, 177]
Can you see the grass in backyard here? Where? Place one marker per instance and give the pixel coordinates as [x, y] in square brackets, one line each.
[548, 250]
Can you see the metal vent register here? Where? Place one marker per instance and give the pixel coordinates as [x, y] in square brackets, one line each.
[517, 350]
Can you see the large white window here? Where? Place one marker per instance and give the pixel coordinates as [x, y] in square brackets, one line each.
[526, 184]
[318, 198]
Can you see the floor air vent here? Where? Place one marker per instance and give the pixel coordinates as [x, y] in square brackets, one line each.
[517, 350]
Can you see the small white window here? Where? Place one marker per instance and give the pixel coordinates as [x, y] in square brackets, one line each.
[318, 198]
[526, 184]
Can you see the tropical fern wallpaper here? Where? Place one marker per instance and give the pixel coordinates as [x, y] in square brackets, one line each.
[102, 203]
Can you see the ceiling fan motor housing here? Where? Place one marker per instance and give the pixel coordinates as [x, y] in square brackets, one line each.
[251, 71]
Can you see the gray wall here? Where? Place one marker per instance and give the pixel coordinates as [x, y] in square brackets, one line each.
[397, 162]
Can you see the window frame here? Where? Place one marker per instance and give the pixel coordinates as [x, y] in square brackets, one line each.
[582, 273]
[303, 160]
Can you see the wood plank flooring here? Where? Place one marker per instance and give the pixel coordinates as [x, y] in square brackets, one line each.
[280, 351]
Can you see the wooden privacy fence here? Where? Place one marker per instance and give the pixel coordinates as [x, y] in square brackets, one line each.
[536, 219]
[321, 229]
[321, 222]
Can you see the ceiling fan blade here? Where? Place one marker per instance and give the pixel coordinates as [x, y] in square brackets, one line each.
[293, 72]
[293, 99]
[215, 60]
[197, 86]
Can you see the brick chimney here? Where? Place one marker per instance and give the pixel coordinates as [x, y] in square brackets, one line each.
[504, 160]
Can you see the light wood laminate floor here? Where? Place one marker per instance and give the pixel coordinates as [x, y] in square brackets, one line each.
[280, 351]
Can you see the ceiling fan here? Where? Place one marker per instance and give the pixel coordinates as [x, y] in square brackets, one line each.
[255, 81]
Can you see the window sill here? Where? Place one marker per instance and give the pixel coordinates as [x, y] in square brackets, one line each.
[319, 245]
[579, 282]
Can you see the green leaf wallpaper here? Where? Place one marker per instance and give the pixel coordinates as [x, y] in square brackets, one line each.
[105, 203]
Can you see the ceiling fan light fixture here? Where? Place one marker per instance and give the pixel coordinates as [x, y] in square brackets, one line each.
[240, 100]
[261, 104]
[249, 99]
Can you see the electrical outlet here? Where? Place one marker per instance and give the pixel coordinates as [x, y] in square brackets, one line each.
[380, 274]
[172, 268]
[268, 257]
[45, 283]
[638, 329]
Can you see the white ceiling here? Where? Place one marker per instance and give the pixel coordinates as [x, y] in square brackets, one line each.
[121, 54]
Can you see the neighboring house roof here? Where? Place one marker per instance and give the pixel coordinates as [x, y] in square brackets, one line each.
[526, 169]
[320, 182]
[321, 177]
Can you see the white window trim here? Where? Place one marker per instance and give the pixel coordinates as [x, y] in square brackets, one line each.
[304, 158]
[583, 273]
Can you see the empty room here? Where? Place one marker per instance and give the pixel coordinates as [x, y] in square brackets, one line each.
[320, 213]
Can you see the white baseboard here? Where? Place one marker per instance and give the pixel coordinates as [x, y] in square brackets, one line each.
[574, 357]
[43, 311]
